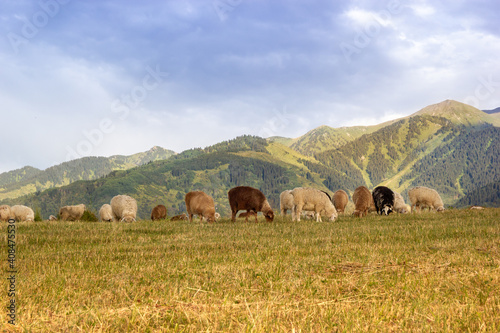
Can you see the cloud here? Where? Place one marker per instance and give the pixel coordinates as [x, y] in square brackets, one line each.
[265, 68]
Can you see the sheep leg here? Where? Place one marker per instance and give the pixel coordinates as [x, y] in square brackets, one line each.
[296, 210]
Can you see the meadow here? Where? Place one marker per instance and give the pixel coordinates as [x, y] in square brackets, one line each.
[414, 273]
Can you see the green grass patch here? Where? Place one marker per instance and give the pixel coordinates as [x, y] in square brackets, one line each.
[419, 272]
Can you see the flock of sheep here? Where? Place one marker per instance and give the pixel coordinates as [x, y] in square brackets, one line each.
[310, 201]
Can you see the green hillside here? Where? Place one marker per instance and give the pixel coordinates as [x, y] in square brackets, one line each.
[386, 155]
[468, 160]
[28, 180]
[488, 195]
[18, 175]
[325, 138]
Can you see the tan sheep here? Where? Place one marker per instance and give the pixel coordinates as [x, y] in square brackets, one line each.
[305, 198]
[72, 213]
[363, 201]
[5, 213]
[106, 213]
[201, 204]
[399, 204]
[340, 200]
[124, 208]
[22, 213]
[286, 201]
[52, 218]
[421, 197]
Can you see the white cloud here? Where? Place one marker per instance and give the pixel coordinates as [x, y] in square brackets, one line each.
[272, 68]
[423, 10]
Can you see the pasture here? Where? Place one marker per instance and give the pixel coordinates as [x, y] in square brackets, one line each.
[419, 272]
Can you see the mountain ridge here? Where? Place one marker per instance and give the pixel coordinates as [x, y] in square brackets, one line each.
[27, 180]
[424, 148]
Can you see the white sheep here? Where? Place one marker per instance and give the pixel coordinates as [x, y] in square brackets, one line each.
[399, 204]
[72, 213]
[286, 201]
[305, 198]
[422, 197]
[5, 213]
[22, 213]
[106, 213]
[124, 208]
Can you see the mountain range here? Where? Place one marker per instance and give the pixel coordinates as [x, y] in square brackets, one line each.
[449, 146]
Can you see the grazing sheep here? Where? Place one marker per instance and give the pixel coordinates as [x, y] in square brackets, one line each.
[249, 199]
[72, 213]
[286, 201]
[340, 200]
[180, 217]
[384, 200]
[305, 198]
[106, 213]
[124, 208]
[22, 213]
[422, 197]
[399, 204]
[52, 218]
[159, 212]
[476, 208]
[201, 204]
[5, 213]
[363, 201]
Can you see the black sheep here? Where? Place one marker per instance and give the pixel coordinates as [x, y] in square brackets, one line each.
[384, 199]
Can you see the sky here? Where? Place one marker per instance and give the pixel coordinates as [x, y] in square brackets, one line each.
[100, 78]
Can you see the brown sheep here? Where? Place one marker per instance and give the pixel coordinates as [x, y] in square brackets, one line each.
[180, 217]
[201, 204]
[363, 201]
[249, 199]
[159, 212]
[340, 200]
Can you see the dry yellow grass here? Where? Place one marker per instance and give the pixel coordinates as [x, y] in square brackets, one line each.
[417, 273]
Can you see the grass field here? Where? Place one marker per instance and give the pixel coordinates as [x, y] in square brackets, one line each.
[420, 272]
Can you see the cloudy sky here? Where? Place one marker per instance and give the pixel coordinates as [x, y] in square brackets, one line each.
[105, 77]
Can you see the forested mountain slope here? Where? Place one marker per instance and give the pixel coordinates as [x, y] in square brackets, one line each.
[27, 180]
